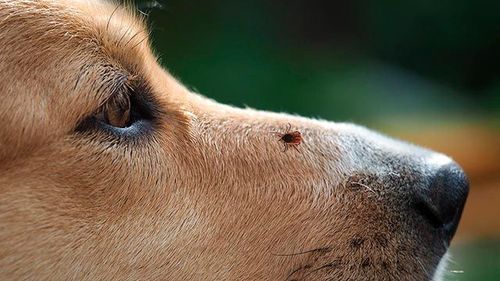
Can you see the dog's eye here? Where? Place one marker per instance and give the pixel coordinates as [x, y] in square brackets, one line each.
[130, 112]
[116, 111]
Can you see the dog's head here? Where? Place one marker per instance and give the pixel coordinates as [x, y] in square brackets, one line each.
[111, 169]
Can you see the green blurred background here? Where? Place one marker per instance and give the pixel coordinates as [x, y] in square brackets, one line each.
[425, 71]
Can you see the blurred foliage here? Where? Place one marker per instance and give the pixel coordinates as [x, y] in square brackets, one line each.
[358, 61]
[475, 262]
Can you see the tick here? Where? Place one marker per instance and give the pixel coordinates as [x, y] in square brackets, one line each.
[290, 138]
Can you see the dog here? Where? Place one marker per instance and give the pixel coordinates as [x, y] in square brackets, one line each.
[111, 169]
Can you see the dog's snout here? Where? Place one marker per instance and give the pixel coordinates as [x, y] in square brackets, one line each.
[441, 202]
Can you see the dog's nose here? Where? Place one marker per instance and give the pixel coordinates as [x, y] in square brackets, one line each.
[442, 201]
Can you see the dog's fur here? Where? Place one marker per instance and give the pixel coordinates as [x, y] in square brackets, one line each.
[204, 193]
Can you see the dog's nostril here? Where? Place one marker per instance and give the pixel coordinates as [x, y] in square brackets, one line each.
[429, 213]
[442, 202]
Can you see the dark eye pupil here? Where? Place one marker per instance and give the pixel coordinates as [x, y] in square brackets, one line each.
[117, 111]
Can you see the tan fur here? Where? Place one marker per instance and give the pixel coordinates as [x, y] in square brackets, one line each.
[209, 195]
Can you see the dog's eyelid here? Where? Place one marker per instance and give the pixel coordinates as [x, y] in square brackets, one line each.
[123, 84]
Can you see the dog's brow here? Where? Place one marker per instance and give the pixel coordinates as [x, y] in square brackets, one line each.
[126, 27]
[123, 31]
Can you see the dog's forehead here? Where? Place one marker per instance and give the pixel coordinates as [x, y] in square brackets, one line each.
[60, 25]
[116, 21]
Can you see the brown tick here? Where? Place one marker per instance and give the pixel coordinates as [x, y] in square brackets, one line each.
[290, 138]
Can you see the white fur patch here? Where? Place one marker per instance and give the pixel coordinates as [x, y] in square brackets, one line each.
[441, 268]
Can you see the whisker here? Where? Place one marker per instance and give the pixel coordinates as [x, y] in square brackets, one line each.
[145, 37]
[132, 38]
[328, 265]
[143, 13]
[123, 36]
[297, 270]
[423, 268]
[111, 16]
[365, 186]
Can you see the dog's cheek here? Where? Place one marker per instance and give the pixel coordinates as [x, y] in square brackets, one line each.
[91, 177]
